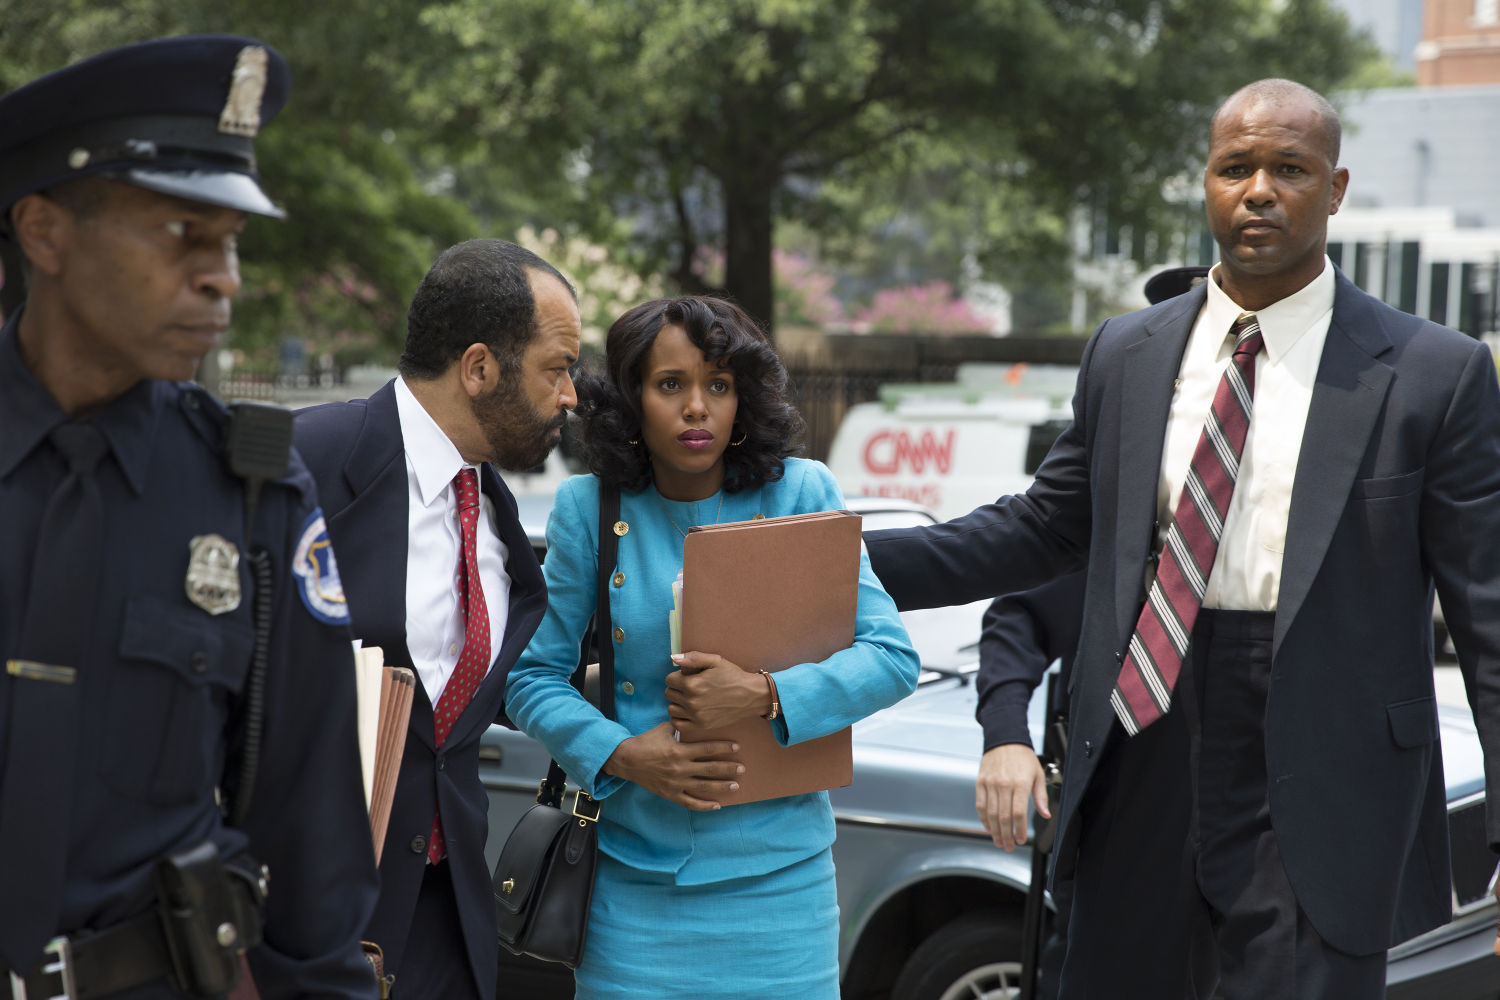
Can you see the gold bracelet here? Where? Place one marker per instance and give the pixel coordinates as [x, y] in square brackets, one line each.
[775, 699]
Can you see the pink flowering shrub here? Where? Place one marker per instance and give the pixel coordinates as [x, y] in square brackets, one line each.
[928, 308]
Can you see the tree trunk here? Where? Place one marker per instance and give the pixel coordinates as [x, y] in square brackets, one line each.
[747, 250]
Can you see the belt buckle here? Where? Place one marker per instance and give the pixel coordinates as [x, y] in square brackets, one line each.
[58, 962]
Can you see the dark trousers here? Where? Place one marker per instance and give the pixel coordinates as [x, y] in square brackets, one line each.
[1055, 946]
[1179, 889]
[435, 964]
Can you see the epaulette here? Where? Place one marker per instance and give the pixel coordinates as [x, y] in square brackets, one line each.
[204, 412]
[209, 416]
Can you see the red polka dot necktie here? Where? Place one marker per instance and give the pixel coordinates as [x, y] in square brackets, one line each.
[474, 660]
[1143, 692]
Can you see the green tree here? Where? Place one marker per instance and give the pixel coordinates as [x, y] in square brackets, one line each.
[363, 220]
[956, 128]
[707, 120]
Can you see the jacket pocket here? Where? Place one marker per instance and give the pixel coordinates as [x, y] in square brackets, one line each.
[1414, 723]
[1386, 487]
[170, 692]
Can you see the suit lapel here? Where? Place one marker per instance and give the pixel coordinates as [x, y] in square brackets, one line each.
[1347, 398]
[1147, 387]
[374, 568]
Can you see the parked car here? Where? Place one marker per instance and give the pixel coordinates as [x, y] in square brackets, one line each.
[929, 908]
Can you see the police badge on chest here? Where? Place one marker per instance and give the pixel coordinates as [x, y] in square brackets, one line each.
[213, 574]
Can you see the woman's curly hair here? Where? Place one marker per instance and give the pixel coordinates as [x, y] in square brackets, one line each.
[609, 405]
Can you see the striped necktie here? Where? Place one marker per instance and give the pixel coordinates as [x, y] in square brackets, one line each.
[1143, 691]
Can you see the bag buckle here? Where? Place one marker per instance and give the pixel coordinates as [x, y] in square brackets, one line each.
[582, 799]
[57, 962]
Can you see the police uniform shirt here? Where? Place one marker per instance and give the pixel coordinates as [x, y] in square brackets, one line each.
[162, 675]
[434, 612]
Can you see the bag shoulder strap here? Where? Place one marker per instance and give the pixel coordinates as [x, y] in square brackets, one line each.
[551, 791]
[609, 547]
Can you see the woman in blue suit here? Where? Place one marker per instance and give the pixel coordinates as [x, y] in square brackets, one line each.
[693, 900]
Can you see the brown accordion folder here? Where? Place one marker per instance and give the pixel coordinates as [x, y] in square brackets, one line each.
[769, 594]
[385, 695]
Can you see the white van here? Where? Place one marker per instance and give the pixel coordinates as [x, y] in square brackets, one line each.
[953, 447]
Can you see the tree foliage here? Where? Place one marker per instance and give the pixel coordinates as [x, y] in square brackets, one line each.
[362, 224]
[954, 128]
[987, 120]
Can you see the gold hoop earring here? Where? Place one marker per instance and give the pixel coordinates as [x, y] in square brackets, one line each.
[633, 442]
[743, 436]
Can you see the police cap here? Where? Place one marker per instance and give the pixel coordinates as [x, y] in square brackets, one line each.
[175, 115]
[1173, 282]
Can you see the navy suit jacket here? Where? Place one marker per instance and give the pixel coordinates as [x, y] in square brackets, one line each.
[1023, 633]
[356, 454]
[1397, 489]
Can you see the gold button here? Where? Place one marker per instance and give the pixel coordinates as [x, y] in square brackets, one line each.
[619, 634]
[628, 688]
[757, 517]
[621, 527]
[619, 579]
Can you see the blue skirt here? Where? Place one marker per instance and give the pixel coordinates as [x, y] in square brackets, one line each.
[767, 937]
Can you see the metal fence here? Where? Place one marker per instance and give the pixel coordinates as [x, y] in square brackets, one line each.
[852, 370]
[826, 382]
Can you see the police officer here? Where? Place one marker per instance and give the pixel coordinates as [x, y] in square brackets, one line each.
[157, 610]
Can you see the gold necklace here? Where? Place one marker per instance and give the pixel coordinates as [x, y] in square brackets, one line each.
[673, 523]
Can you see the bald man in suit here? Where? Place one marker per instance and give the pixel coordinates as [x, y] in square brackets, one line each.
[1249, 826]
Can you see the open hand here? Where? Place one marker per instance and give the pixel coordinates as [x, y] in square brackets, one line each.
[1009, 774]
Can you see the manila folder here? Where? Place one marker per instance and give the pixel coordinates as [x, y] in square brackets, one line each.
[769, 594]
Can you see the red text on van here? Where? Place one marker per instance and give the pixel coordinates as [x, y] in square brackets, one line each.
[888, 451]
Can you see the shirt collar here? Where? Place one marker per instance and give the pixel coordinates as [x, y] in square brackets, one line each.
[28, 413]
[1282, 323]
[430, 455]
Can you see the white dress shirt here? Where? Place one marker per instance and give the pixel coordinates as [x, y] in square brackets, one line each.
[434, 550]
[1247, 570]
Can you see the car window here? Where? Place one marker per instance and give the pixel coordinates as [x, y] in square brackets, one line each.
[1040, 442]
[877, 520]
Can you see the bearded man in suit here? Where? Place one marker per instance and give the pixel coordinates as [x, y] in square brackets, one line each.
[1265, 479]
[441, 576]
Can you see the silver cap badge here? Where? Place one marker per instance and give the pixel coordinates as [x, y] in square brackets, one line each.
[241, 114]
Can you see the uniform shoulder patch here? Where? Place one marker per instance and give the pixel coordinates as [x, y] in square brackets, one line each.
[317, 573]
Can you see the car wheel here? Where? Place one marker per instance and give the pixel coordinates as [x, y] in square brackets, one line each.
[971, 958]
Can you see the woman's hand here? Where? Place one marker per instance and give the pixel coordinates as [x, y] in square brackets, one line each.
[678, 772]
[707, 691]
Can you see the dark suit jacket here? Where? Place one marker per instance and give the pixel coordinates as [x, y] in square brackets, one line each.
[1023, 633]
[355, 452]
[1397, 489]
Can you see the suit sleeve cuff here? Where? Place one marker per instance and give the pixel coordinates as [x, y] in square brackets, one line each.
[1003, 715]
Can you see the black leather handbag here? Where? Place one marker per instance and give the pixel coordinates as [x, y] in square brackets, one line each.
[544, 880]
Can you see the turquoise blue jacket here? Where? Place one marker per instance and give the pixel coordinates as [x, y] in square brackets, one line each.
[637, 827]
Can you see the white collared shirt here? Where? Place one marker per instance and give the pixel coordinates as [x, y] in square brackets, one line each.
[434, 550]
[1247, 570]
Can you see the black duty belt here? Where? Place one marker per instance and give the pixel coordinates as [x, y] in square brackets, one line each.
[129, 954]
[124, 956]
